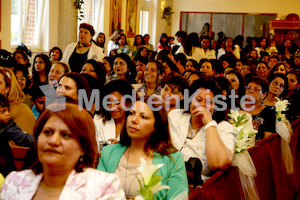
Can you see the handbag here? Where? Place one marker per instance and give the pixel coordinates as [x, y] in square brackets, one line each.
[194, 166]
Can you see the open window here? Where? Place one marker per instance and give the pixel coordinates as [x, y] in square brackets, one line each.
[26, 18]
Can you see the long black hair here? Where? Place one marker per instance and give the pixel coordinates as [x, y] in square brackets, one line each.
[35, 75]
[160, 140]
[122, 86]
[191, 41]
[131, 73]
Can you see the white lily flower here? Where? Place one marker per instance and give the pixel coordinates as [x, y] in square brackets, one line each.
[239, 146]
[248, 129]
[242, 136]
[139, 197]
[238, 130]
[280, 116]
[244, 144]
[147, 170]
[159, 187]
[281, 105]
[245, 138]
[234, 114]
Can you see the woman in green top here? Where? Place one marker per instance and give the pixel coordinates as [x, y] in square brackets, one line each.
[146, 135]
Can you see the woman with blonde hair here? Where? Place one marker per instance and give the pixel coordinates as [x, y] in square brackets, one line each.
[57, 70]
[113, 38]
[19, 111]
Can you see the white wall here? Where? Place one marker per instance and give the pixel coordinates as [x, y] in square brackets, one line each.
[161, 24]
[5, 24]
[57, 29]
[53, 24]
[65, 25]
[282, 7]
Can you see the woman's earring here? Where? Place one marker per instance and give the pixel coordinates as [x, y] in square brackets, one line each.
[81, 159]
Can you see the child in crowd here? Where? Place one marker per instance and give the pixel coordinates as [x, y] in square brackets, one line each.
[38, 99]
[9, 131]
[272, 48]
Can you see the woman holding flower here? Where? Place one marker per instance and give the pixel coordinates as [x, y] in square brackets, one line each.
[278, 88]
[263, 118]
[146, 135]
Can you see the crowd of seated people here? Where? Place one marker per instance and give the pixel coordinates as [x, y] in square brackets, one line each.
[184, 81]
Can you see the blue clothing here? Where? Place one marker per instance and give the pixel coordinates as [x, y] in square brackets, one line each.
[173, 171]
[35, 112]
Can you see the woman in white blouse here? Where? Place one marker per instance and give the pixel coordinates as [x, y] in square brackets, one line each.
[196, 133]
[191, 48]
[229, 48]
[110, 120]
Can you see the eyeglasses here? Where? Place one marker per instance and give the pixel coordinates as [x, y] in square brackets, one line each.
[256, 89]
[115, 101]
[21, 78]
[277, 84]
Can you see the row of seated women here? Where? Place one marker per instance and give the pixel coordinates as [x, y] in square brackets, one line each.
[63, 145]
[197, 48]
[225, 45]
[150, 79]
[66, 142]
[185, 128]
[123, 68]
[191, 120]
[118, 44]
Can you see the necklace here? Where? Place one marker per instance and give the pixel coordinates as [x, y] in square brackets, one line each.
[101, 134]
[192, 133]
[128, 190]
[51, 189]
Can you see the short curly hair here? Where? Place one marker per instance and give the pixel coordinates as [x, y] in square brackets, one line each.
[89, 27]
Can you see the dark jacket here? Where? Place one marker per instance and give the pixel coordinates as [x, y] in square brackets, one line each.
[11, 131]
